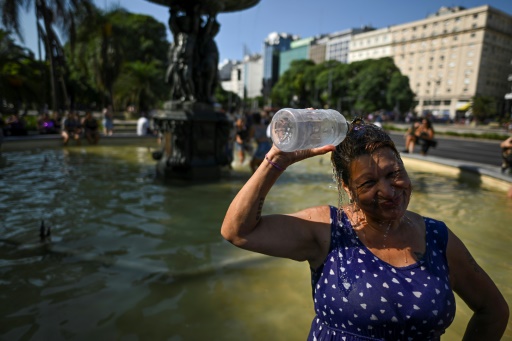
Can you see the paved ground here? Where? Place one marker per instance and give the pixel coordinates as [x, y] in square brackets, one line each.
[476, 155]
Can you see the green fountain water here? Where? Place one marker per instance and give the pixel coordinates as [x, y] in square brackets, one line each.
[131, 257]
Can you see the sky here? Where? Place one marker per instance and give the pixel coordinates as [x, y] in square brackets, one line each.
[247, 29]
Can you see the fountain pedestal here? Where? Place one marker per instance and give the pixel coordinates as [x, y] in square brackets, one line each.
[194, 141]
[195, 136]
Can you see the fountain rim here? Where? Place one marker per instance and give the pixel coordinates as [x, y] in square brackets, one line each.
[488, 177]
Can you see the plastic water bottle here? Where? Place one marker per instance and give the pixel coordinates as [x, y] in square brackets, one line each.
[297, 129]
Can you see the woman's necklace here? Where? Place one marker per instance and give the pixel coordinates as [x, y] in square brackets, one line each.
[384, 247]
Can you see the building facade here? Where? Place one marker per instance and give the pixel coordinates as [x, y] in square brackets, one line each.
[252, 75]
[370, 45]
[299, 50]
[453, 56]
[450, 56]
[272, 47]
[245, 77]
[338, 43]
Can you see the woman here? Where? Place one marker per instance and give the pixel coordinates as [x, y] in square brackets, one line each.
[424, 136]
[378, 270]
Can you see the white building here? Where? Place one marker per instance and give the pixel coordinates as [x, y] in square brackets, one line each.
[246, 77]
[370, 45]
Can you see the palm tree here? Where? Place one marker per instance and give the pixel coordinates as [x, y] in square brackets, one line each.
[99, 51]
[49, 13]
[139, 84]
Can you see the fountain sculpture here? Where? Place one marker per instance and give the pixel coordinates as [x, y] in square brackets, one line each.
[195, 134]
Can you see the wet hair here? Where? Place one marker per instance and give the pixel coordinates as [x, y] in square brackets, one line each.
[362, 139]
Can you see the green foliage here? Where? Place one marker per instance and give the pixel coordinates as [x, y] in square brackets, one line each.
[359, 87]
[483, 107]
[121, 59]
[291, 87]
[399, 94]
[30, 122]
[21, 77]
[370, 85]
[229, 100]
[140, 84]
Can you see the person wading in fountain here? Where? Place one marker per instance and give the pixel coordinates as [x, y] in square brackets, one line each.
[379, 271]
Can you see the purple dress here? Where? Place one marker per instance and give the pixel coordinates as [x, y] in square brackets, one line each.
[358, 296]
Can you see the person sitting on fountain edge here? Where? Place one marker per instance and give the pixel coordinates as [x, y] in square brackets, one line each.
[379, 271]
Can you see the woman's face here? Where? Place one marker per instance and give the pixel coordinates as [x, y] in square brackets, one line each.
[379, 185]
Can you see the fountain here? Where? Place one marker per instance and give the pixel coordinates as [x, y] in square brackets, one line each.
[131, 257]
[195, 135]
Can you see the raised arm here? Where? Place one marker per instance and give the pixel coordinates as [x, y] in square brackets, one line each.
[301, 236]
[476, 288]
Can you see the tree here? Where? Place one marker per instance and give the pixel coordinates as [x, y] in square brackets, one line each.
[99, 54]
[363, 86]
[48, 13]
[290, 89]
[140, 84]
[20, 75]
[334, 83]
[113, 49]
[484, 107]
[229, 100]
[399, 94]
[370, 85]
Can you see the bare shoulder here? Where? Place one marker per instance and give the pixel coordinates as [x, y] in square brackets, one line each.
[319, 214]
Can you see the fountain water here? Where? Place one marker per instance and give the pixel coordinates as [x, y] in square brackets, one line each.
[130, 256]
